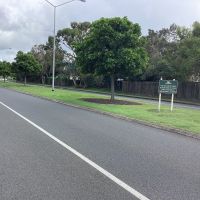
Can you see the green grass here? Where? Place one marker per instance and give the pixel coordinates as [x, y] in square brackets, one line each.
[183, 119]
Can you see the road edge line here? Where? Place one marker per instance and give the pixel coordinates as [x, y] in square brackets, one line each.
[116, 180]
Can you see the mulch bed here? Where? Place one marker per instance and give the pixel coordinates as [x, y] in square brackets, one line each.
[108, 101]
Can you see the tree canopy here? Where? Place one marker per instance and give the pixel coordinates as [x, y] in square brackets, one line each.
[113, 47]
[187, 60]
[43, 53]
[68, 37]
[26, 64]
[5, 69]
[174, 53]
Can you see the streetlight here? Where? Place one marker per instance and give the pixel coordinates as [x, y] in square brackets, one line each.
[54, 41]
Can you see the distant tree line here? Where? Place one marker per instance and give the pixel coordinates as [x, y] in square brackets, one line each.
[174, 53]
[5, 69]
[97, 54]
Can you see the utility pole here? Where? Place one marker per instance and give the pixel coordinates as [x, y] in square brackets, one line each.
[54, 37]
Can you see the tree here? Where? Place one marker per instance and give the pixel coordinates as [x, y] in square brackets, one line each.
[69, 37]
[162, 47]
[196, 29]
[5, 69]
[39, 53]
[43, 53]
[113, 47]
[76, 33]
[188, 59]
[25, 64]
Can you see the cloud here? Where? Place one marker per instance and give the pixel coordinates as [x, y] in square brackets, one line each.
[24, 23]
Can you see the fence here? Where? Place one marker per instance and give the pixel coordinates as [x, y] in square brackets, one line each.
[189, 91]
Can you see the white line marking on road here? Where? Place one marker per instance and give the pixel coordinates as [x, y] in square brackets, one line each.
[87, 160]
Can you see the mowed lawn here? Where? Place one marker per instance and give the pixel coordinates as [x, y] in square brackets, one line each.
[183, 119]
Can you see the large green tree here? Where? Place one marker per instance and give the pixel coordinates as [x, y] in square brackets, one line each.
[5, 69]
[25, 64]
[113, 47]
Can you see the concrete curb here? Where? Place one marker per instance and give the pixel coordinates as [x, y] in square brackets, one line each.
[172, 130]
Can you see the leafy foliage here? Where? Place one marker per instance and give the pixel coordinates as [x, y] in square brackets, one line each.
[43, 53]
[174, 53]
[5, 69]
[69, 37]
[113, 47]
[26, 64]
[76, 33]
[187, 61]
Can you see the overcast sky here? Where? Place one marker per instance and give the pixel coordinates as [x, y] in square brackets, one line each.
[24, 23]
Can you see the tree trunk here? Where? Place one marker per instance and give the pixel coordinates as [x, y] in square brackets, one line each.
[74, 81]
[85, 84]
[25, 80]
[112, 78]
[43, 79]
[4, 78]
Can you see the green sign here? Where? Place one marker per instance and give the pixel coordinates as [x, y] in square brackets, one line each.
[168, 86]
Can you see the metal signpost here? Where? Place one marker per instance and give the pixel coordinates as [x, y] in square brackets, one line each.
[167, 87]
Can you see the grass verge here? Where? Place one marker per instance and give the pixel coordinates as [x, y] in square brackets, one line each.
[182, 119]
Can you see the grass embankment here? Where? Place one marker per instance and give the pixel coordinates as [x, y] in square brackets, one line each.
[183, 119]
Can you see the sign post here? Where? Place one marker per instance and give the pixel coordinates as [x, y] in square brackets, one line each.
[167, 87]
[172, 102]
[160, 97]
[159, 103]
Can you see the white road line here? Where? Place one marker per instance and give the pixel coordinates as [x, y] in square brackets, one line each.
[88, 161]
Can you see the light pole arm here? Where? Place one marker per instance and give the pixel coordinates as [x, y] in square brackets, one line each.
[50, 3]
[64, 3]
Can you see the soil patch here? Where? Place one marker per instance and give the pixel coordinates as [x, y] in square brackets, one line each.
[108, 101]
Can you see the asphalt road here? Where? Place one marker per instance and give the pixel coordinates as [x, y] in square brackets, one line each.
[158, 164]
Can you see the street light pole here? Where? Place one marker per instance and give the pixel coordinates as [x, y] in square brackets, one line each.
[54, 37]
[54, 50]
